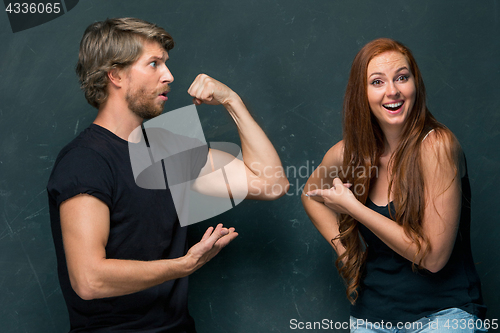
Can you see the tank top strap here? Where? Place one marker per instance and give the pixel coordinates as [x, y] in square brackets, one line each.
[425, 137]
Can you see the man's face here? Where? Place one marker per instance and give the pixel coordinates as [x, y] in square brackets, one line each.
[147, 81]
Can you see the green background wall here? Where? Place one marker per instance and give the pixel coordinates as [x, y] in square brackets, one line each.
[289, 60]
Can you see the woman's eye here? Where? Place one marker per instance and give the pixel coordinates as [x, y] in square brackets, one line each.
[403, 78]
[376, 82]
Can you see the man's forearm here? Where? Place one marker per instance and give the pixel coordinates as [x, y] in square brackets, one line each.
[91, 278]
[114, 277]
[266, 178]
[259, 154]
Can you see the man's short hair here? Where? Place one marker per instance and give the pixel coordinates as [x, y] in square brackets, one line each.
[113, 43]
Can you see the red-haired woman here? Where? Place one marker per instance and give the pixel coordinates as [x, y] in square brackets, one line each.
[392, 198]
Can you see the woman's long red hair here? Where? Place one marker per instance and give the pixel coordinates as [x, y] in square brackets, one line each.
[363, 145]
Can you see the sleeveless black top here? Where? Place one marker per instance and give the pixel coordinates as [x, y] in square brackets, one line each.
[392, 292]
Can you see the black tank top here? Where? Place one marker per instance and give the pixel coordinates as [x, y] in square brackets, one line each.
[392, 292]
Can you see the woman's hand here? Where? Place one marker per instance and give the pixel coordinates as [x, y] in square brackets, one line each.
[339, 197]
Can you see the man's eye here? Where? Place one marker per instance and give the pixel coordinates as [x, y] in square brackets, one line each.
[153, 64]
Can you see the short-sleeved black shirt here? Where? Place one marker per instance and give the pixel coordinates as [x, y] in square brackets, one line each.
[143, 226]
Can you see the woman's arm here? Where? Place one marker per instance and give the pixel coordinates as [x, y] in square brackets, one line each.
[442, 209]
[324, 218]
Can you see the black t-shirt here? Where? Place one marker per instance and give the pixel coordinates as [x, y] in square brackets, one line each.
[143, 226]
[392, 292]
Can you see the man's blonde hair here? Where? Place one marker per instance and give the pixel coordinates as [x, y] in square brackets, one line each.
[113, 43]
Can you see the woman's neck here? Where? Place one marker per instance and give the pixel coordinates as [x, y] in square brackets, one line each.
[392, 139]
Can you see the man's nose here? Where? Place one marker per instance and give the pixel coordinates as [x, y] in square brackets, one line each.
[166, 76]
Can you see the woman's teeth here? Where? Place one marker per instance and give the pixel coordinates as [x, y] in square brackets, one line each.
[393, 106]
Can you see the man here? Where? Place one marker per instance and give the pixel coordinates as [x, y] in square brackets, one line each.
[122, 257]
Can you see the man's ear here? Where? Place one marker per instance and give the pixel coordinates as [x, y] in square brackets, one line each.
[115, 76]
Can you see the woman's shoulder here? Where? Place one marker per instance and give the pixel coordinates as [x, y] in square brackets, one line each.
[440, 140]
[335, 155]
[441, 147]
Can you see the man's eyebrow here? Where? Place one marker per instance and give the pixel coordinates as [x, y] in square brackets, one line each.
[399, 70]
[155, 57]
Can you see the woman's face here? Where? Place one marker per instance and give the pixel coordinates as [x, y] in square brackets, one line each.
[391, 88]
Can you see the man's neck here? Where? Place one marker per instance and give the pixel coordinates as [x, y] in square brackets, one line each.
[118, 119]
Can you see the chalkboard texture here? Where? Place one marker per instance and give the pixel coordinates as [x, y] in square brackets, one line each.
[289, 60]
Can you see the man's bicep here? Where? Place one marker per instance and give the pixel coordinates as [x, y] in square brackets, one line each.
[223, 173]
[216, 160]
[85, 231]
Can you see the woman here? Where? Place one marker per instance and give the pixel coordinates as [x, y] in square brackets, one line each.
[398, 212]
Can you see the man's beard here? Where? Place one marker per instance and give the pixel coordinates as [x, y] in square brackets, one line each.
[143, 105]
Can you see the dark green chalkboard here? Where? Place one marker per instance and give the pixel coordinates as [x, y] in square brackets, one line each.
[289, 60]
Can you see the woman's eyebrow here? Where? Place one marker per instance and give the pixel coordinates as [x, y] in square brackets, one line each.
[380, 73]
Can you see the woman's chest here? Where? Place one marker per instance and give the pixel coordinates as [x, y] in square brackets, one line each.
[379, 186]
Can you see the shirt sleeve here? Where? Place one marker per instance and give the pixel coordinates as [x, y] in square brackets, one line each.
[81, 170]
[199, 158]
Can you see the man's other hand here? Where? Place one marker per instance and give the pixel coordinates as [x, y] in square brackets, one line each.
[211, 243]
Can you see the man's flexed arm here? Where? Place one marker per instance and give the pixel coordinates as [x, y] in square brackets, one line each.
[85, 231]
[265, 177]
